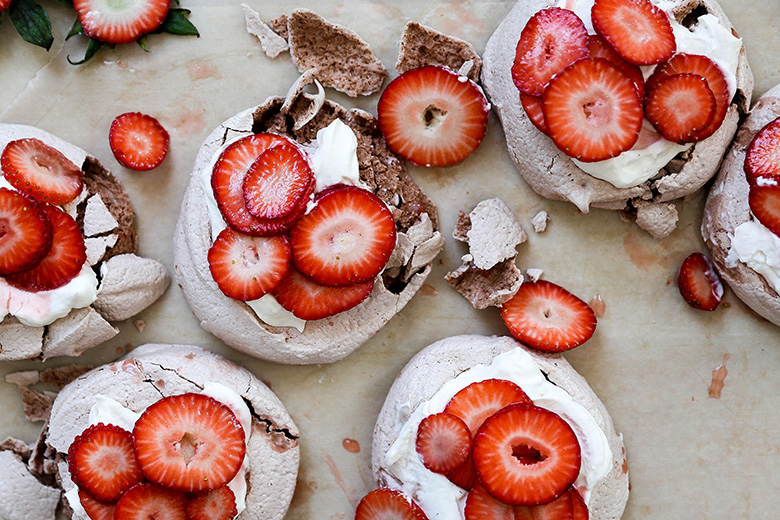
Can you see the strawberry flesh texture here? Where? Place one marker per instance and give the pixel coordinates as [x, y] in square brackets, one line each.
[217, 504]
[276, 182]
[764, 202]
[533, 109]
[308, 300]
[345, 239]
[96, 510]
[480, 505]
[762, 159]
[680, 107]
[579, 509]
[547, 317]
[638, 30]
[598, 48]
[102, 463]
[481, 399]
[245, 267]
[64, 260]
[189, 442]
[465, 475]
[592, 110]
[122, 24]
[44, 173]
[552, 40]
[433, 117]
[388, 504]
[148, 501]
[558, 509]
[138, 141]
[443, 442]
[25, 232]
[699, 284]
[526, 455]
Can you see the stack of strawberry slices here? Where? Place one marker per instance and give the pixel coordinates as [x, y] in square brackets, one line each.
[762, 169]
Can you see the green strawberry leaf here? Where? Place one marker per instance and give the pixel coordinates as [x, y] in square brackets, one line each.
[32, 23]
[177, 23]
[92, 47]
[76, 29]
[142, 42]
[69, 3]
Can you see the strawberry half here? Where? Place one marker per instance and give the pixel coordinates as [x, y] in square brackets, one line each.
[35, 168]
[533, 109]
[598, 48]
[552, 40]
[102, 463]
[276, 182]
[148, 501]
[189, 442]
[433, 117]
[120, 22]
[764, 202]
[443, 442]
[64, 260]
[480, 400]
[526, 455]
[25, 232]
[547, 317]
[763, 154]
[559, 509]
[680, 107]
[309, 300]
[637, 29]
[481, 506]
[345, 239]
[699, 284]
[388, 504]
[592, 110]
[96, 510]
[138, 141]
[246, 267]
[217, 504]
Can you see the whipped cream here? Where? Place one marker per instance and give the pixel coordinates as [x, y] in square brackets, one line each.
[109, 411]
[652, 152]
[757, 247]
[443, 500]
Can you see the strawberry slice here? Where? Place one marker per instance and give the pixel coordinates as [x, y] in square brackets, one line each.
[443, 442]
[276, 182]
[598, 48]
[764, 202]
[465, 475]
[189, 442]
[547, 317]
[309, 300]
[680, 107]
[217, 504]
[579, 509]
[138, 141]
[102, 463]
[388, 504]
[96, 510]
[763, 154]
[120, 22]
[433, 117]
[345, 239]
[35, 168]
[526, 455]
[480, 400]
[227, 181]
[559, 509]
[533, 109]
[637, 29]
[25, 232]
[481, 506]
[246, 267]
[592, 110]
[698, 282]
[148, 501]
[552, 40]
[64, 260]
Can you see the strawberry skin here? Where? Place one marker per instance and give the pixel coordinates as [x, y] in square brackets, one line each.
[526, 455]
[345, 239]
[217, 504]
[35, 168]
[433, 117]
[680, 107]
[579, 509]
[443, 442]
[189, 442]
[547, 317]
[699, 284]
[762, 159]
[276, 182]
[309, 300]
[388, 504]
[96, 510]
[481, 506]
[598, 48]
[559, 509]
[481, 399]
[25, 232]
[138, 141]
[120, 22]
[148, 501]
[764, 202]
[533, 109]
[465, 475]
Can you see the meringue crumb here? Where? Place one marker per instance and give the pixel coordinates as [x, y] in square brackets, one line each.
[140, 325]
[539, 222]
[719, 374]
[534, 274]
[598, 306]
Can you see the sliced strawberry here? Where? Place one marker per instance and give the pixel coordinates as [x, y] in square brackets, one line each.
[579, 508]
[480, 400]
[433, 117]
[345, 239]
[246, 267]
[102, 463]
[592, 110]
[189, 442]
[227, 181]
[138, 141]
[25, 232]
[465, 475]
[388, 504]
[680, 107]
[4, 5]
[217, 504]
[41, 171]
[526, 455]
[637, 29]
[481, 506]
[96, 510]
[276, 182]
[443, 442]
[698, 282]
[598, 48]
[552, 40]
[763, 154]
[309, 300]
[148, 501]
[533, 109]
[558, 509]
[64, 260]
[764, 202]
[120, 22]
[545, 316]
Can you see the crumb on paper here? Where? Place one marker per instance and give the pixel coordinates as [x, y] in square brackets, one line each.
[421, 45]
[539, 222]
[272, 43]
[719, 374]
[486, 287]
[140, 325]
[598, 306]
[534, 274]
[494, 234]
